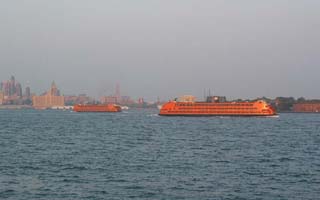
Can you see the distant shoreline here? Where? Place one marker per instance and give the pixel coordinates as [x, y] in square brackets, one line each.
[22, 107]
[15, 107]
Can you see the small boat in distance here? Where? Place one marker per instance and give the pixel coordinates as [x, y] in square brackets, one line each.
[215, 106]
[97, 108]
[124, 108]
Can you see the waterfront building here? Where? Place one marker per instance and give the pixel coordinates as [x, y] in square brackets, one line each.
[126, 100]
[284, 104]
[313, 107]
[71, 100]
[141, 101]
[1, 97]
[116, 98]
[109, 99]
[50, 99]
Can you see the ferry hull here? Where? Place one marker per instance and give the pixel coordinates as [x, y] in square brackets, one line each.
[97, 108]
[215, 115]
[204, 109]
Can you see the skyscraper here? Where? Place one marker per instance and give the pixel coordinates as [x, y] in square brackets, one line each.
[12, 86]
[28, 92]
[6, 88]
[18, 90]
[1, 97]
[11, 91]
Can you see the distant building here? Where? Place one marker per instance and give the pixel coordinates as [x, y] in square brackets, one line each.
[12, 92]
[12, 86]
[141, 101]
[126, 100]
[71, 100]
[109, 99]
[18, 90]
[1, 97]
[54, 90]
[306, 107]
[284, 104]
[6, 88]
[50, 99]
[28, 93]
[187, 98]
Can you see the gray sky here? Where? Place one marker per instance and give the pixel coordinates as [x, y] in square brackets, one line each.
[163, 48]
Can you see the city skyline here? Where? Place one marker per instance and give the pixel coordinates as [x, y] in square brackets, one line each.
[156, 48]
[27, 90]
[11, 93]
[11, 96]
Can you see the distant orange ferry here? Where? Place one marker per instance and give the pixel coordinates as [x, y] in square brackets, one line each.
[216, 106]
[97, 108]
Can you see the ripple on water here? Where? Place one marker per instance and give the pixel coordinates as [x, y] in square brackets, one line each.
[140, 155]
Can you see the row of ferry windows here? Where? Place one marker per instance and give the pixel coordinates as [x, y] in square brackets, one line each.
[187, 111]
[218, 104]
[188, 108]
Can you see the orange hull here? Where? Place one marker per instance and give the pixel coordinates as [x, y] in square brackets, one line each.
[97, 108]
[257, 108]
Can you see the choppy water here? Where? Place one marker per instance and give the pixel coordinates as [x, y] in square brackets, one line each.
[139, 155]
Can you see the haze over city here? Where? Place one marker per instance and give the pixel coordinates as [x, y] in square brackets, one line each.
[240, 49]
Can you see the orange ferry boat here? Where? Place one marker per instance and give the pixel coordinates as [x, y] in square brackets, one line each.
[97, 108]
[216, 106]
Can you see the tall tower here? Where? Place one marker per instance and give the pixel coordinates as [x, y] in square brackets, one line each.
[54, 90]
[6, 88]
[18, 89]
[117, 94]
[28, 92]
[12, 87]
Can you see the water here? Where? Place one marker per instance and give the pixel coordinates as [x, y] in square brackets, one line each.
[139, 155]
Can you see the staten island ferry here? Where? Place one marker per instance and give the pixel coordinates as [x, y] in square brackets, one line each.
[215, 106]
[97, 108]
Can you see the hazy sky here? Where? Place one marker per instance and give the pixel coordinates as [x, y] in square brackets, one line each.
[163, 48]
